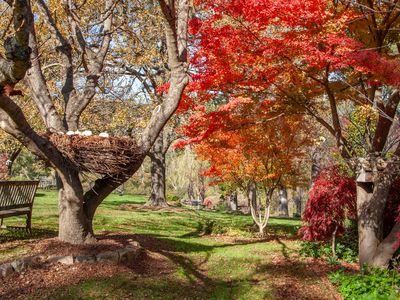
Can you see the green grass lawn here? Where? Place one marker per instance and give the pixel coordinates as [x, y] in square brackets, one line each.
[234, 265]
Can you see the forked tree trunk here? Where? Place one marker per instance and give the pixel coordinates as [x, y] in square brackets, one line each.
[374, 248]
[260, 218]
[283, 202]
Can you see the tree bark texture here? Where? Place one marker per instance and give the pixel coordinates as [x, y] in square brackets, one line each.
[158, 180]
[283, 208]
[374, 248]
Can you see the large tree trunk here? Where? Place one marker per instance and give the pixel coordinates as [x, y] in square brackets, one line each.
[75, 226]
[283, 208]
[374, 248]
[158, 194]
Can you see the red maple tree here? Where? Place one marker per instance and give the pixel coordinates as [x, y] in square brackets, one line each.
[309, 57]
[332, 200]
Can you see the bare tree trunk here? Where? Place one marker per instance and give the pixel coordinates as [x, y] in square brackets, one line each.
[158, 188]
[297, 201]
[283, 202]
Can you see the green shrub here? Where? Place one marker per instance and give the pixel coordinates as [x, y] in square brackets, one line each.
[345, 253]
[221, 207]
[316, 250]
[310, 249]
[376, 284]
[332, 260]
[211, 227]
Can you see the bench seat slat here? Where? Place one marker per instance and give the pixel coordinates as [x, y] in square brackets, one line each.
[14, 206]
[14, 212]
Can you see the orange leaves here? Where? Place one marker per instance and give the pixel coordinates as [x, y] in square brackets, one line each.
[247, 140]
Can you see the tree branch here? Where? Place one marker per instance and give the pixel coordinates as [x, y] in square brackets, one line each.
[384, 123]
[179, 77]
[40, 92]
[16, 62]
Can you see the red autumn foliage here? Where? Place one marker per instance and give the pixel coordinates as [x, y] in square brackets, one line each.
[249, 46]
[332, 200]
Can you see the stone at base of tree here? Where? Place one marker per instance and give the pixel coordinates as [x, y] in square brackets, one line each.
[6, 269]
[65, 260]
[19, 265]
[127, 254]
[110, 256]
[124, 255]
[85, 258]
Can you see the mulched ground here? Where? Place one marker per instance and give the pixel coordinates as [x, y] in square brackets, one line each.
[18, 286]
[283, 274]
[54, 247]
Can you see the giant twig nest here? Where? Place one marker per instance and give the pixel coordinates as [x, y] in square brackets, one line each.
[95, 154]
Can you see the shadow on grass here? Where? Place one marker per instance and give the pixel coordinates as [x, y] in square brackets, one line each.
[124, 201]
[38, 195]
[228, 288]
[203, 228]
[20, 234]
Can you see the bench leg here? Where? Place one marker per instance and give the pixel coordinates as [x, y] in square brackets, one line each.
[1, 223]
[29, 222]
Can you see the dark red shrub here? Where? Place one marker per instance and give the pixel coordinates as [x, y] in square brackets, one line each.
[332, 201]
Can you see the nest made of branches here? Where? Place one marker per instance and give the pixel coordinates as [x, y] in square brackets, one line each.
[95, 154]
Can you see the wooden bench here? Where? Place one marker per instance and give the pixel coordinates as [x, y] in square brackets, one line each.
[16, 198]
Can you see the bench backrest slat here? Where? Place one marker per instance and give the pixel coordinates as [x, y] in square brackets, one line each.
[17, 194]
